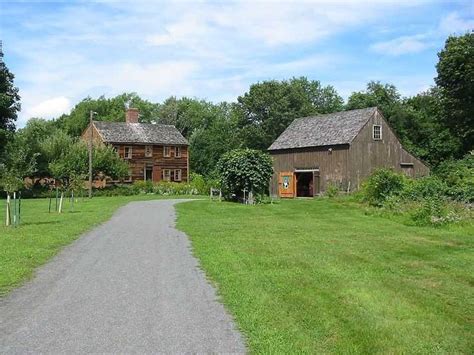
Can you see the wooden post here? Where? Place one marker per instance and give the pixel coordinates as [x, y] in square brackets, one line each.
[56, 208]
[14, 209]
[61, 202]
[7, 220]
[91, 136]
[19, 207]
[50, 198]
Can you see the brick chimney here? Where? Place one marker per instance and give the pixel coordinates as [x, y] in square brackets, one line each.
[131, 115]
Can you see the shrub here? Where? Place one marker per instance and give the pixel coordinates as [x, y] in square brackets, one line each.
[459, 178]
[245, 169]
[381, 185]
[332, 190]
[436, 211]
[426, 187]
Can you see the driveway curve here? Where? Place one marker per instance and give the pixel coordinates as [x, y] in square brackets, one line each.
[130, 285]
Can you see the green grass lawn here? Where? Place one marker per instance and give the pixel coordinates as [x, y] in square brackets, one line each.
[316, 276]
[42, 234]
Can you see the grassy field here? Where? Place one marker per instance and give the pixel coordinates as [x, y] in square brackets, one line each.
[318, 276]
[42, 234]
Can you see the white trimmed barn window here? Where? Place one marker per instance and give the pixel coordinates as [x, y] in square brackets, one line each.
[377, 132]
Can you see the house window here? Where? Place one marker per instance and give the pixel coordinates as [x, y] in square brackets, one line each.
[129, 177]
[177, 175]
[115, 148]
[166, 151]
[148, 151]
[166, 174]
[377, 132]
[177, 152]
[128, 153]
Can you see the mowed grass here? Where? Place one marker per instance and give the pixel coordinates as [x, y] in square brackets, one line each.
[318, 276]
[41, 234]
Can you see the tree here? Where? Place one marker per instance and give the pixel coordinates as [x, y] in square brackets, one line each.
[245, 169]
[112, 109]
[17, 166]
[9, 105]
[456, 82]
[71, 166]
[269, 107]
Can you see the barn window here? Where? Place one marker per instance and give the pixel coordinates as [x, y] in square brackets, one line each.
[177, 152]
[166, 151]
[128, 153]
[377, 132]
[166, 174]
[148, 151]
[177, 175]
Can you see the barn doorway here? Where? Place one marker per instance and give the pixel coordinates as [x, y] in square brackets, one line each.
[304, 184]
[307, 182]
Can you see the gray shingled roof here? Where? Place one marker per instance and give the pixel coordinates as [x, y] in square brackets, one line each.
[146, 133]
[330, 129]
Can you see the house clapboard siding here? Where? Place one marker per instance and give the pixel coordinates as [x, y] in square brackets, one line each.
[338, 149]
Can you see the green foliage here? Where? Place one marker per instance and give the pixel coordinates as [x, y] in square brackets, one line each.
[112, 109]
[456, 82]
[381, 185]
[425, 187]
[73, 161]
[269, 107]
[332, 190]
[436, 211]
[246, 169]
[459, 177]
[9, 105]
[17, 165]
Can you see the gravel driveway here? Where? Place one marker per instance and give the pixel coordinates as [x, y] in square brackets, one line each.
[131, 286]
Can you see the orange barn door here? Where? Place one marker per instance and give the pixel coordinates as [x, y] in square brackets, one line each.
[286, 184]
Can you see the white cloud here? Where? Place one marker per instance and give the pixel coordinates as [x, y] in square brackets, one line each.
[453, 23]
[401, 45]
[50, 108]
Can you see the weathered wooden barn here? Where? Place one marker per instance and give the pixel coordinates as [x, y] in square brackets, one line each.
[340, 148]
[154, 151]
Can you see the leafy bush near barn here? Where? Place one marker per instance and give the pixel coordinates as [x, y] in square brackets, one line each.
[381, 185]
[459, 178]
[427, 201]
[245, 169]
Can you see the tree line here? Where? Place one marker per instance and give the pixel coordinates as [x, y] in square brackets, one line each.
[435, 125]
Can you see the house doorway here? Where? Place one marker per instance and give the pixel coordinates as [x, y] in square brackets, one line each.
[307, 183]
[148, 173]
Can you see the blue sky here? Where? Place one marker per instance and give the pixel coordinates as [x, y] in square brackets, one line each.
[63, 51]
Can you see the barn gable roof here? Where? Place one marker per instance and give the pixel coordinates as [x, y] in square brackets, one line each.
[139, 133]
[329, 129]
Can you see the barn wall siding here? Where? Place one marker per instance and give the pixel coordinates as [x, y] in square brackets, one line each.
[367, 154]
[332, 164]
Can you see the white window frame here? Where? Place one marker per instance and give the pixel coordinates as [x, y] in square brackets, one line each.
[166, 149]
[177, 174]
[166, 178]
[380, 132]
[130, 152]
[177, 152]
[148, 151]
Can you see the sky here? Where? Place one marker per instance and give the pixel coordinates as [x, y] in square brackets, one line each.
[63, 51]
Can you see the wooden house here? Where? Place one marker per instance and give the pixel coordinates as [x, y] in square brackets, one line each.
[155, 152]
[341, 148]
